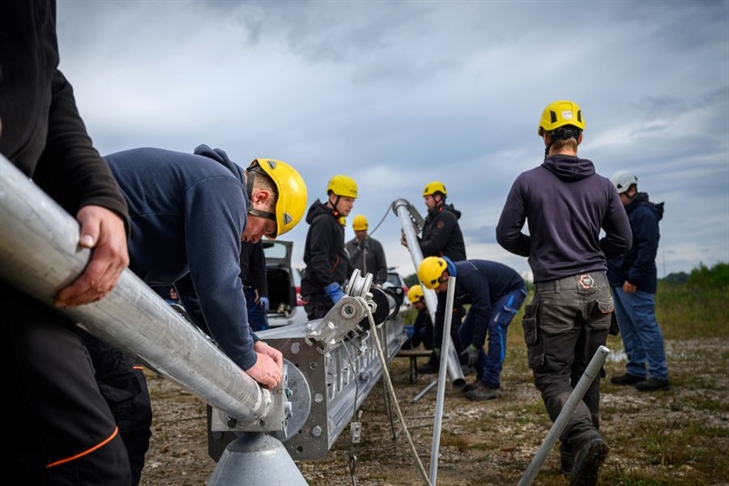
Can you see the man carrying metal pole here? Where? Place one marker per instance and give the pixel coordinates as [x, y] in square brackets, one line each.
[566, 204]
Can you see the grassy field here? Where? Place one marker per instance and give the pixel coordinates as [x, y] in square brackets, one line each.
[675, 437]
[684, 431]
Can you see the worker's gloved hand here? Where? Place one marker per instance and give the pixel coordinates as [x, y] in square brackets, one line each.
[334, 291]
[263, 302]
[364, 244]
[471, 355]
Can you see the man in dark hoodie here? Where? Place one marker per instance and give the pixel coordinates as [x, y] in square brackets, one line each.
[441, 237]
[566, 203]
[633, 280]
[189, 215]
[326, 259]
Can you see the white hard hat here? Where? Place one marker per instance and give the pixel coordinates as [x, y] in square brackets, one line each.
[623, 180]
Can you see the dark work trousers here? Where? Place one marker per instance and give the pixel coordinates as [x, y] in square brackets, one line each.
[566, 323]
[124, 387]
[63, 432]
[257, 317]
[317, 306]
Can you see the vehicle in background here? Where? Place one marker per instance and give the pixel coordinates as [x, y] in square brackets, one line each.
[284, 281]
[394, 279]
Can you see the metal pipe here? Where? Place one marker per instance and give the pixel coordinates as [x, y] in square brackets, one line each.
[39, 254]
[593, 369]
[450, 294]
[402, 209]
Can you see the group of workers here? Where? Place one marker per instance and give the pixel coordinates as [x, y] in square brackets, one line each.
[580, 280]
[185, 219]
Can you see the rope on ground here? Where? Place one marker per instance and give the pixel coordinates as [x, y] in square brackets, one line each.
[388, 382]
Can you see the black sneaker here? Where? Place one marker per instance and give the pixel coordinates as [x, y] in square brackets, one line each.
[626, 379]
[588, 461]
[651, 384]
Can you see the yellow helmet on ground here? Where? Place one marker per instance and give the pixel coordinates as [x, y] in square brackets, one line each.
[290, 189]
[359, 223]
[560, 113]
[341, 185]
[415, 294]
[433, 187]
[430, 270]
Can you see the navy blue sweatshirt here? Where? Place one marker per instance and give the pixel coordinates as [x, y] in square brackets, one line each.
[638, 265]
[565, 204]
[481, 283]
[188, 214]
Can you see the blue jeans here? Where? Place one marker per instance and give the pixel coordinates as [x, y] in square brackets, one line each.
[641, 335]
[257, 317]
[490, 364]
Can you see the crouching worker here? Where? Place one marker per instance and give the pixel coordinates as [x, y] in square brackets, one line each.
[495, 293]
[423, 325]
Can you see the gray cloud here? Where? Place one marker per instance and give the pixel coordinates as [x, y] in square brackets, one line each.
[396, 94]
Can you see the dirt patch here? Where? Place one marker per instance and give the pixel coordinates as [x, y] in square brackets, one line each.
[676, 437]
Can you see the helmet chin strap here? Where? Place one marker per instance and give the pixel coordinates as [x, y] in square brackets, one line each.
[335, 205]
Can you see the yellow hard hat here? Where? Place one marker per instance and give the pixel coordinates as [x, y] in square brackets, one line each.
[291, 193]
[359, 223]
[415, 294]
[433, 187]
[341, 185]
[560, 113]
[430, 270]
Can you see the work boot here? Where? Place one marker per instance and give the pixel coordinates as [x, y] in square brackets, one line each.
[626, 379]
[481, 391]
[588, 460]
[566, 459]
[651, 384]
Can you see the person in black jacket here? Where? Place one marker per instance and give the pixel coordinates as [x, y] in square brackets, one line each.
[255, 284]
[633, 280]
[67, 433]
[441, 237]
[566, 204]
[327, 262]
[366, 253]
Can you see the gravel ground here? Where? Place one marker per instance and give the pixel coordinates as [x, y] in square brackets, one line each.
[492, 443]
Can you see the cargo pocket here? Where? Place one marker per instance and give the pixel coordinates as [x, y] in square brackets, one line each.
[529, 321]
[602, 313]
[532, 337]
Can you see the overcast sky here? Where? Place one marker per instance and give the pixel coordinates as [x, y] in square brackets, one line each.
[396, 94]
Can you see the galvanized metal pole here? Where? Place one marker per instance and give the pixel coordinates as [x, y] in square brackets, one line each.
[39, 254]
[593, 369]
[441, 380]
[400, 207]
